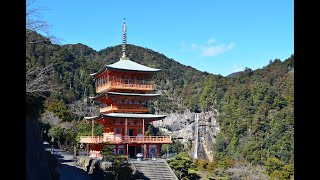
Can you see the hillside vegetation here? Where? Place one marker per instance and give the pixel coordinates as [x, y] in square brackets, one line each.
[256, 114]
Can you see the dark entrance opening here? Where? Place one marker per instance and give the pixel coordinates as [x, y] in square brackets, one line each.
[132, 151]
[139, 150]
[130, 132]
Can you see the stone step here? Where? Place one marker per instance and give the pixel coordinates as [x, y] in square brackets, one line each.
[155, 170]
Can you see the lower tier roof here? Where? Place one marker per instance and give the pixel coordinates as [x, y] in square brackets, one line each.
[126, 115]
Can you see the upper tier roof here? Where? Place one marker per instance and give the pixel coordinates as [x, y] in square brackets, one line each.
[126, 65]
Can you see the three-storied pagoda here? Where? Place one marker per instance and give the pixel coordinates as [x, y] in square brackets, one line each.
[123, 91]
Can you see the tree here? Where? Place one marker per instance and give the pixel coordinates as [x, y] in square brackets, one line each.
[35, 23]
[277, 175]
[38, 78]
[272, 164]
[38, 81]
[58, 134]
[165, 148]
[181, 163]
[49, 117]
[82, 108]
[248, 71]
[60, 110]
[120, 168]
[176, 147]
[211, 166]
[107, 152]
[199, 164]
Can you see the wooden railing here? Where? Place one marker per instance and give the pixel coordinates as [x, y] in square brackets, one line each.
[126, 139]
[91, 139]
[124, 108]
[120, 83]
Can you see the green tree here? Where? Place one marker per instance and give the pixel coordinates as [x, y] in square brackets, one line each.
[288, 170]
[120, 168]
[177, 147]
[277, 175]
[107, 152]
[211, 166]
[181, 163]
[57, 133]
[248, 71]
[60, 110]
[200, 164]
[273, 164]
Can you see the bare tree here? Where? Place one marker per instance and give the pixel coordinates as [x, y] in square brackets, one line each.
[38, 79]
[48, 117]
[81, 108]
[34, 23]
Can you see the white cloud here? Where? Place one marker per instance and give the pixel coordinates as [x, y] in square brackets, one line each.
[211, 40]
[212, 50]
[194, 46]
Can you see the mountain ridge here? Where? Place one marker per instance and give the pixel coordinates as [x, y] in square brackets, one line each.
[254, 108]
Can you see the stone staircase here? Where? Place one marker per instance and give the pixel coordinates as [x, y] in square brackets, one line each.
[158, 169]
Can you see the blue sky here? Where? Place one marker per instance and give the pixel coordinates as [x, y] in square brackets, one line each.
[217, 36]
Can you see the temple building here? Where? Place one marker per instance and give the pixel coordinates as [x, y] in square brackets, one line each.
[123, 90]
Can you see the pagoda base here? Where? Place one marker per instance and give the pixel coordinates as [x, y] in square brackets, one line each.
[130, 150]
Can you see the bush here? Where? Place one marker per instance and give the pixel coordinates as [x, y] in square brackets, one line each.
[277, 175]
[273, 164]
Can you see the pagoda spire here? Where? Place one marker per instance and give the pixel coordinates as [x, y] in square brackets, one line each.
[124, 40]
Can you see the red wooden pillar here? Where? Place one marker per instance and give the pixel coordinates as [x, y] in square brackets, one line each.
[158, 150]
[143, 128]
[144, 151]
[126, 131]
[147, 149]
[127, 151]
[116, 149]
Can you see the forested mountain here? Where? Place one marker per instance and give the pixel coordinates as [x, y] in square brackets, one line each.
[255, 107]
[74, 63]
[256, 115]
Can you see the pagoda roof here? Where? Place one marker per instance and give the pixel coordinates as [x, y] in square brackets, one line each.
[92, 117]
[131, 115]
[123, 94]
[126, 115]
[126, 65]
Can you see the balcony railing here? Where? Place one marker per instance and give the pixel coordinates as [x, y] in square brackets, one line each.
[129, 84]
[120, 108]
[125, 139]
[92, 139]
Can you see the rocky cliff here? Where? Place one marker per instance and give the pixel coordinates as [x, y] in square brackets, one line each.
[181, 128]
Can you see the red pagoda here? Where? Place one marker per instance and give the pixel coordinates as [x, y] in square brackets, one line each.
[123, 91]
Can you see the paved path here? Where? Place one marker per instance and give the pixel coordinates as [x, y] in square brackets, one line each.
[68, 169]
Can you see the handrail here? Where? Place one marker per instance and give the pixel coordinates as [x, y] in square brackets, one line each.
[129, 82]
[102, 139]
[135, 170]
[115, 107]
